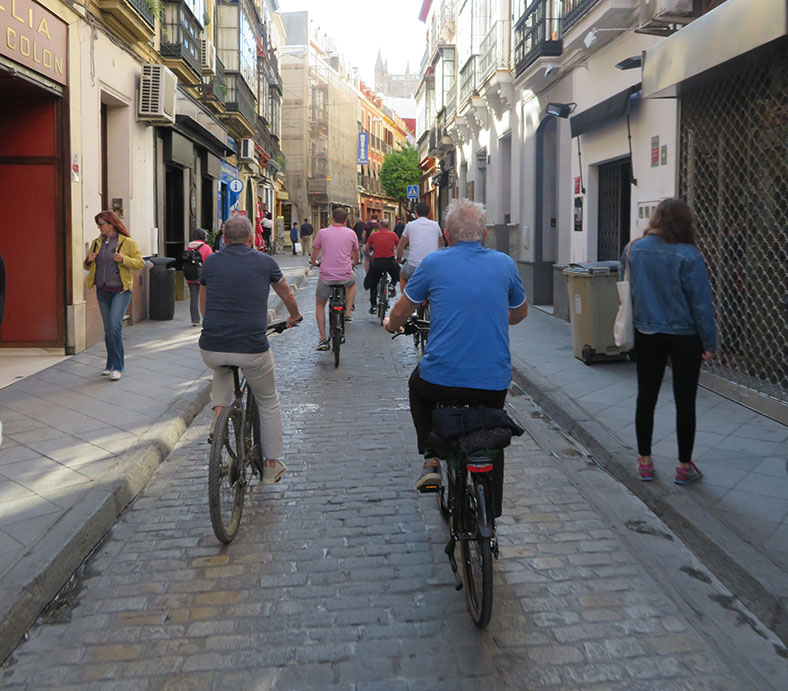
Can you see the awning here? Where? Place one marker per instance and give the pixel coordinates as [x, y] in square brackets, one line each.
[733, 28]
[602, 113]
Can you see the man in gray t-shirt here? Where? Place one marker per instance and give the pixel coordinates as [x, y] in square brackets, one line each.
[234, 287]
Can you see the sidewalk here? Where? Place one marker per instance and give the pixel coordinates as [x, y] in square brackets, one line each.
[77, 448]
[735, 519]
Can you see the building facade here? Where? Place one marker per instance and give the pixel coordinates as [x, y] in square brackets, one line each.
[571, 119]
[394, 85]
[112, 105]
[319, 124]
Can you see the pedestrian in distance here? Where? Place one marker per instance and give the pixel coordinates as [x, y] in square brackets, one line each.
[673, 318]
[218, 241]
[306, 232]
[235, 284]
[294, 237]
[268, 233]
[111, 262]
[194, 257]
[399, 227]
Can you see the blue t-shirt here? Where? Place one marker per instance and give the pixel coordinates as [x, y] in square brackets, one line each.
[238, 281]
[471, 290]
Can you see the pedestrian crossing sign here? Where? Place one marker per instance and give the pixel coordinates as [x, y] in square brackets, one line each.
[413, 191]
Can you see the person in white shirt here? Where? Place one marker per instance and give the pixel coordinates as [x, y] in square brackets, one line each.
[422, 236]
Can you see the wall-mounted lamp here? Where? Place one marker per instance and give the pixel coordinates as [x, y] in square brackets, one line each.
[560, 110]
[593, 35]
[630, 63]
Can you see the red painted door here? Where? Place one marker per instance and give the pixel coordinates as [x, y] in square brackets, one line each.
[29, 219]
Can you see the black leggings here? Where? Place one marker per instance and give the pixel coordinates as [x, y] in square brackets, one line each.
[376, 270]
[424, 395]
[652, 351]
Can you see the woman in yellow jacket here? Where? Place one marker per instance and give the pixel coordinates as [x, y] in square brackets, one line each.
[112, 259]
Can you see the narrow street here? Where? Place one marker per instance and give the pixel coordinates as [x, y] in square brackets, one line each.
[337, 578]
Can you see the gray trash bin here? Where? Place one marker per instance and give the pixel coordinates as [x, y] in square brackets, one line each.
[593, 305]
[162, 288]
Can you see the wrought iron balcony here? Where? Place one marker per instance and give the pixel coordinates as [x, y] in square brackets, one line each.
[133, 20]
[495, 49]
[240, 98]
[317, 186]
[537, 33]
[468, 79]
[214, 89]
[574, 10]
[180, 36]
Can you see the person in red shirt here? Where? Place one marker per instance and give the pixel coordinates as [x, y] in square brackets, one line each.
[382, 245]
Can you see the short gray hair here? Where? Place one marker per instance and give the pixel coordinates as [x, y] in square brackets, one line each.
[383, 223]
[237, 230]
[465, 220]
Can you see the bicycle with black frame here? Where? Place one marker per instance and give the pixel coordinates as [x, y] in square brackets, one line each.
[422, 332]
[337, 309]
[236, 455]
[469, 438]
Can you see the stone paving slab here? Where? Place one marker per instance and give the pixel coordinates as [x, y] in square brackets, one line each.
[78, 447]
[337, 578]
[736, 516]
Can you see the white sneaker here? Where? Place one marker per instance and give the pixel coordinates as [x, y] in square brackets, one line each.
[114, 375]
[106, 372]
[272, 474]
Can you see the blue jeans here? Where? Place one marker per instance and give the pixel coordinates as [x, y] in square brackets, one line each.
[113, 307]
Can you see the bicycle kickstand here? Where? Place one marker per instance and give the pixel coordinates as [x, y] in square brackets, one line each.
[449, 549]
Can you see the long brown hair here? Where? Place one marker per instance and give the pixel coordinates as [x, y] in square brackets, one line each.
[674, 221]
[112, 218]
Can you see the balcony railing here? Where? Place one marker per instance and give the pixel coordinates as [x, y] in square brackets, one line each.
[180, 34]
[574, 9]
[537, 34]
[451, 101]
[468, 79]
[495, 49]
[144, 10]
[214, 88]
[240, 98]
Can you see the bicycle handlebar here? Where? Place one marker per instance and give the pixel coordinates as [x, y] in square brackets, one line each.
[281, 326]
[410, 327]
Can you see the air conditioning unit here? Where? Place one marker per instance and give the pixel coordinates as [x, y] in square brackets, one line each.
[158, 86]
[208, 58]
[666, 11]
[247, 149]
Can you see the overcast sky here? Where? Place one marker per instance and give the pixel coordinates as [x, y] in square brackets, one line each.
[361, 27]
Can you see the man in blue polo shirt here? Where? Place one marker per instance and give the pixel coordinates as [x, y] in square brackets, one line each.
[475, 293]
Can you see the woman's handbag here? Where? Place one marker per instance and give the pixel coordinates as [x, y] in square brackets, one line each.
[624, 326]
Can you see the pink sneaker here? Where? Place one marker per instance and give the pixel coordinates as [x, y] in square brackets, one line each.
[646, 471]
[684, 477]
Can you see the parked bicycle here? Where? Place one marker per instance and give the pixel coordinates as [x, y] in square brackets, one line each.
[469, 439]
[236, 455]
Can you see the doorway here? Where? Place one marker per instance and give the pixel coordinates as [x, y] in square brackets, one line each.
[614, 209]
[174, 232]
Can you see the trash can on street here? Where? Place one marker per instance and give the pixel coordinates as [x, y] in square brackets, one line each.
[593, 305]
[162, 288]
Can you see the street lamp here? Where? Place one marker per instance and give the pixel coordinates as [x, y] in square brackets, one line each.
[560, 110]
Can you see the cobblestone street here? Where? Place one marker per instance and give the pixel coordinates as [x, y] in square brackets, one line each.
[337, 577]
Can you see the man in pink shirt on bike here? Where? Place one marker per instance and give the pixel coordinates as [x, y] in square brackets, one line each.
[337, 247]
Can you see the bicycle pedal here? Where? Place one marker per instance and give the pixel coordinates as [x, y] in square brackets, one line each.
[429, 489]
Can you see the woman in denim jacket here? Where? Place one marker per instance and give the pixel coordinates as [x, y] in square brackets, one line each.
[673, 317]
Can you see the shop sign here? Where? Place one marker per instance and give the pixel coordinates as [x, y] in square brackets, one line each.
[654, 152]
[33, 37]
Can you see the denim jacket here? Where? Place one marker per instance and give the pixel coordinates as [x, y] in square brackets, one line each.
[670, 289]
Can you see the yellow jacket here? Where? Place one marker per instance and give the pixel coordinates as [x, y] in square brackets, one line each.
[132, 260]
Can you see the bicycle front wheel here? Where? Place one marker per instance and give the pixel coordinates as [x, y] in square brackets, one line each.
[226, 474]
[382, 299]
[424, 332]
[477, 551]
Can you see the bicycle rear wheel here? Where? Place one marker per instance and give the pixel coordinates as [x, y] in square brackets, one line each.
[383, 297]
[477, 552]
[227, 474]
[336, 334]
[444, 493]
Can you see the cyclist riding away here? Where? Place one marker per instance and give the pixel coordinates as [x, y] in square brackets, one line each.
[381, 245]
[337, 246]
[422, 236]
[234, 288]
[475, 293]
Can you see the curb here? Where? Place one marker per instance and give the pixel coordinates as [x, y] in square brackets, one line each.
[40, 574]
[48, 564]
[750, 576]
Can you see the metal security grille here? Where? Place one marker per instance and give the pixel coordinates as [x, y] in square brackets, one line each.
[614, 196]
[734, 174]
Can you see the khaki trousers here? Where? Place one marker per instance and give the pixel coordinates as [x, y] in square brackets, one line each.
[306, 245]
[258, 368]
